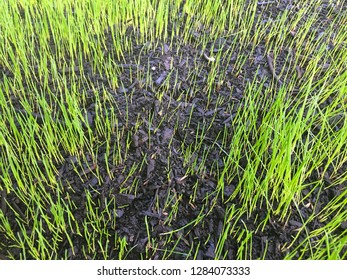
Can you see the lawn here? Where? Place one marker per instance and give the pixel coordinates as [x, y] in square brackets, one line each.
[152, 129]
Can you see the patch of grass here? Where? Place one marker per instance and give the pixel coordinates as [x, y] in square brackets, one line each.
[282, 148]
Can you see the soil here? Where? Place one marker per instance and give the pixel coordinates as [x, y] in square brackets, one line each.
[167, 135]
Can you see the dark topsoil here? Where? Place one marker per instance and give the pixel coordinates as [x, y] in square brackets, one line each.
[152, 178]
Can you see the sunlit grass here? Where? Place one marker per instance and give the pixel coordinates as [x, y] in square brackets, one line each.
[282, 148]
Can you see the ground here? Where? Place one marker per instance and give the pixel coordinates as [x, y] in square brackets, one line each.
[151, 175]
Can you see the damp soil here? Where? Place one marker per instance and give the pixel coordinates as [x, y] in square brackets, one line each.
[159, 139]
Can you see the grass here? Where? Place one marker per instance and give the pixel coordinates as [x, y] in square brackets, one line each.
[285, 130]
